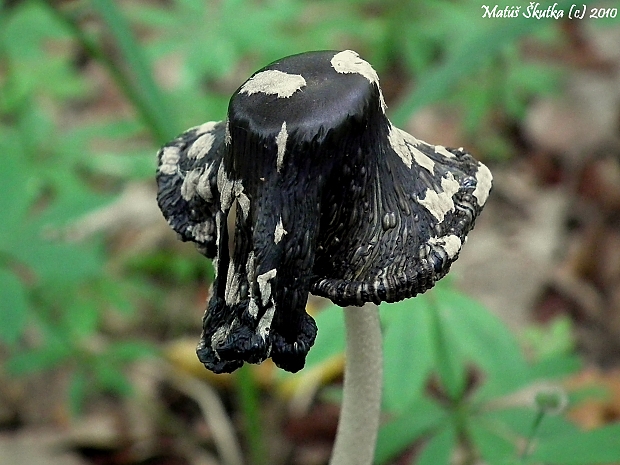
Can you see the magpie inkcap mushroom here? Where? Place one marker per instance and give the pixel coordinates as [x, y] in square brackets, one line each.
[330, 198]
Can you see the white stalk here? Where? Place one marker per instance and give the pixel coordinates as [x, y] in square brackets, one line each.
[363, 380]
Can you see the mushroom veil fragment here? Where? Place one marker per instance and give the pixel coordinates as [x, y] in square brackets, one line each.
[330, 198]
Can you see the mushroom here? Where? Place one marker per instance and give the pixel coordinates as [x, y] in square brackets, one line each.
[330, 197]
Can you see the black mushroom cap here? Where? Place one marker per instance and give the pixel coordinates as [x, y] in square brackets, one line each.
[330, 199]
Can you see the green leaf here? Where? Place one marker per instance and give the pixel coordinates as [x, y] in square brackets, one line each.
[137, 165]
[16, 196]
[72, 201]
[78, 391]
[407, 351]
[599, 446]
[36, 360]
[110, 377]
[558, 366]
[422, 417]
[439, 449]
[56, 262]
[81, 317]
[35, 68]
[119, 294]
[29, 18]
[482, 338]
[518, 422]
[14, 312]
[330, 339]
[129, 351]
[495, 446]
[450, 362]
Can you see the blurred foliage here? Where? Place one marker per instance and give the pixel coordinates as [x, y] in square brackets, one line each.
[173, 65]
[456, 378]
[53, 292]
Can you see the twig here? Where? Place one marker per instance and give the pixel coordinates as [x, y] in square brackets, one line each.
[213, 412]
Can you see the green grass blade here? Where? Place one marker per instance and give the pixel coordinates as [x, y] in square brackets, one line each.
[143, 83]
[466, 57]
[249, 404]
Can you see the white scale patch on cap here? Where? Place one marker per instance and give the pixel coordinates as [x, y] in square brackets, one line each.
[230, 191]
[483, 187]
[225, 186]
[202, 231]
[188, 188]
[233, 281]
[218, 228]
[221, 334]
[281, 139]
[440, 203]
[242, 199]
[169, 163]
[227, 137]
[274, 82]
[201, 146]
[216, 259]
[279, 232]
[348, 62]
[250, 266]
[264, 285]
[264, 325]
[450, 243]
[203, 186]
[440, 149]
[250, 269]
[218, 337]
[253, 308]
[404, 144]
[206, 127]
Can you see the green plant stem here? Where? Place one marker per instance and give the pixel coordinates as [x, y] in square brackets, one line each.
[139, 68]
[249, 403]
[528, 444]
[450, 370]
[136, 83]
[363, 380]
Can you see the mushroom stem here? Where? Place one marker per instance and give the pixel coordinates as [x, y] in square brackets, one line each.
[363, 379]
